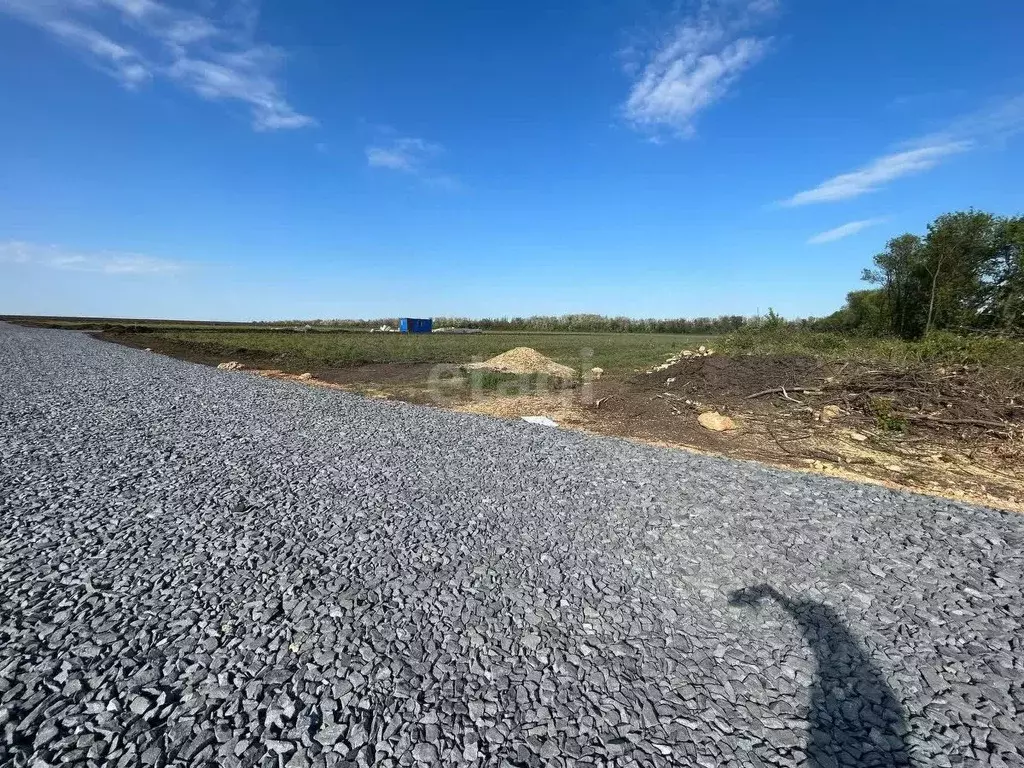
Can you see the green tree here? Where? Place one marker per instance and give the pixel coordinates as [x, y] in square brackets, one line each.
[899, 270]
[957, 252]
[1004, 276]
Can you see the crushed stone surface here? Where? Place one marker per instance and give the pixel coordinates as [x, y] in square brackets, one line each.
[201, 567]
[525, 360]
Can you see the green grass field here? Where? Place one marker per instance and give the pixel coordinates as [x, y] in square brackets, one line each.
[611, 351]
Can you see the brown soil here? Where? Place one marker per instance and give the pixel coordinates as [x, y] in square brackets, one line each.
[355, 377]
[195, 353]
[953, 432]
[956, 432]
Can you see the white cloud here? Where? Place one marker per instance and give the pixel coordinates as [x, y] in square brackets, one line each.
[380, 157]
[695, 65]
[105, 262]
[402, 154]
[878, 172]
[123, 63]
[135, 40]
[243, 77]
[413, 156]
[187, 31]
[995, 124]
[844, 231]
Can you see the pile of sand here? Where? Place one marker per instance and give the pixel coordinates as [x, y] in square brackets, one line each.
[523, 360]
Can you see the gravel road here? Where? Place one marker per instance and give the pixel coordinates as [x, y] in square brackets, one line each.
[200, 567]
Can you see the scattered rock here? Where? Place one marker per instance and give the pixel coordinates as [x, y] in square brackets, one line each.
[330, 734]
[279, 746]
[596, 373]
[231, 365]
[830, 413]
[140, 705]
[715, 421]
[858, 437]
[424, 753]
[702, 351]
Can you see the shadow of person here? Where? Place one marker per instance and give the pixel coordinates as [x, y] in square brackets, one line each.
[855, 718]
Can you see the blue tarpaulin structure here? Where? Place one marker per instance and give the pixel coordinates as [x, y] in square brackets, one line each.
[415, 325]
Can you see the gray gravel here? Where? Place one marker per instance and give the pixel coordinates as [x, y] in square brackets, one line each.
[203, 567]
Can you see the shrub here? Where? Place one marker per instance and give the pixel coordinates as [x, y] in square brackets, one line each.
[940, 347]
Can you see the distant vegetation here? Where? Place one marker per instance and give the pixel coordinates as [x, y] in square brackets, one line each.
[955, 293]
[965, 274]
[580, 323]
[940, 347]
[586, 323]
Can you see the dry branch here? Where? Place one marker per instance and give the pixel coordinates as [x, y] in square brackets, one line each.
[782, 391]
[961, 422]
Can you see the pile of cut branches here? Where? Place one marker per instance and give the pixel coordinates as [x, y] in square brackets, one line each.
[965, 399]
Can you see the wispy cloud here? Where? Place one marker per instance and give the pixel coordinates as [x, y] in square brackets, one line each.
[120, 62]
[695, 64]
[844, 231]
[877, 173]
[402, 154]
[995, 123]
[988, 126]
[134, 41]
[413, 156]
[105, 262]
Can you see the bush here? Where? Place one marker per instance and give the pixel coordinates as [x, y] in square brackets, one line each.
[940, 347]
[886, 417]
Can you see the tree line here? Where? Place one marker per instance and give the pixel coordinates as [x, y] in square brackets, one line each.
[578, 323]
[590, 323]
[965, 274]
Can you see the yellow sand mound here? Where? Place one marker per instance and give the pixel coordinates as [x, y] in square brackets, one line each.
[523, 360]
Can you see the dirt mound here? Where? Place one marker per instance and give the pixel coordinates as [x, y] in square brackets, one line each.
[524, 360]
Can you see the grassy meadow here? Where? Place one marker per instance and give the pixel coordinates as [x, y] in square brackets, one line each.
[615, 352]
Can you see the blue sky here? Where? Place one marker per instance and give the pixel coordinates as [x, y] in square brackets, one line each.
[225, 159]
